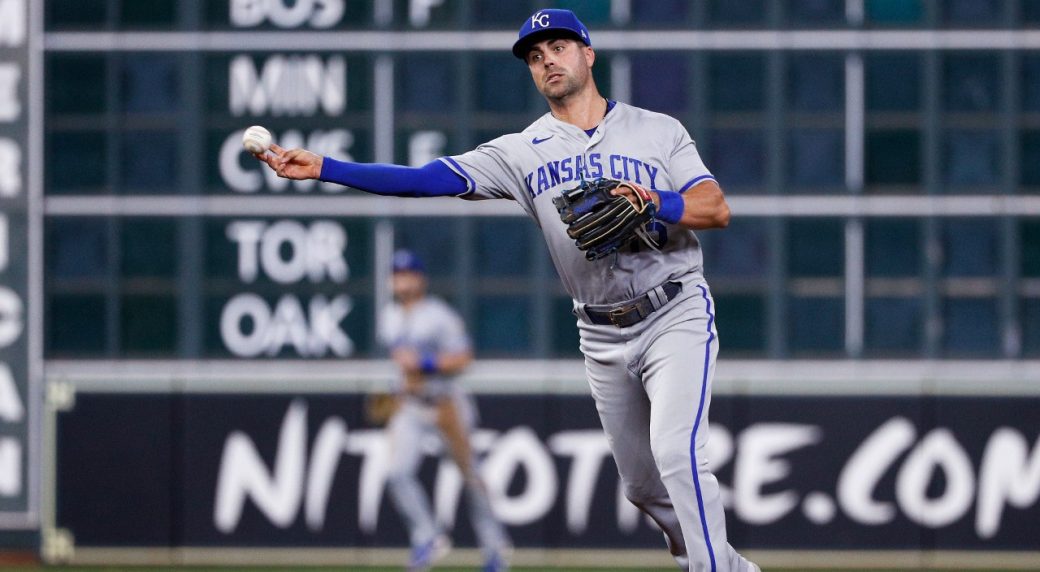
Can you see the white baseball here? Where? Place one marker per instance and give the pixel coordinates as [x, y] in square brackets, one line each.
[256, 139]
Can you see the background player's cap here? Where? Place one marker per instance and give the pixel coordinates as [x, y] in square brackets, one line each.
[407, 261]
[547, 22]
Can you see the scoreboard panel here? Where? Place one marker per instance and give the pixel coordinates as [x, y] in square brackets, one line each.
[891, 102]
[19, 267]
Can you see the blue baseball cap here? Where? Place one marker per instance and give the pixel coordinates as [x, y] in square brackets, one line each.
[407, 261]
[549, 22]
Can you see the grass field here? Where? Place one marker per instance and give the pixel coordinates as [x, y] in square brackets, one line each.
[390, 569]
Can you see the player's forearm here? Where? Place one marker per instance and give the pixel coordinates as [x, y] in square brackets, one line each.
[701, 207]
[453, 363]
[434, 179]
[432, 363]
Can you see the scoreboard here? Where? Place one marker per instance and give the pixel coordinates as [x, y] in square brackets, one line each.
[19, 267]
[162, 234]
[853, 138]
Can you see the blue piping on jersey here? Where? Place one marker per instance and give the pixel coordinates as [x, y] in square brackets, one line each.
[458, 169]
[610, 105]
[693, 434]
[694, 181]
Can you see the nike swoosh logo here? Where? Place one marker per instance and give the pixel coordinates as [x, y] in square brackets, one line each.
[537, 140]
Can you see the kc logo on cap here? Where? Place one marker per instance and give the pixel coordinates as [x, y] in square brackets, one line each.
[548, 21]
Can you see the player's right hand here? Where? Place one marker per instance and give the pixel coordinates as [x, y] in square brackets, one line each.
[295, 164]
[629, 190]
[407, 359]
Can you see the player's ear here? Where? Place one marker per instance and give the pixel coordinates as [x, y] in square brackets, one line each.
[590, 55]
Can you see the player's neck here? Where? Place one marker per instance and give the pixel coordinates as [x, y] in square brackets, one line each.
[585, 109]
[407, 303]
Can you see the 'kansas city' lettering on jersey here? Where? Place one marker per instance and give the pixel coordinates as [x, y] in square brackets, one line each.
[550, 156]
[576, 168]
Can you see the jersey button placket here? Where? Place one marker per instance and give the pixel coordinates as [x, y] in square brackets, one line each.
[592, 142]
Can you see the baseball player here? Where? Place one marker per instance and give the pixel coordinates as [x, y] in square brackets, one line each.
[428, 342]
[645, 314]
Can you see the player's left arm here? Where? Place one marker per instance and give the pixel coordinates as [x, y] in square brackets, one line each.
[455, 351]
[453, 362]
[700, 207]
[698, 203]
[703, 206]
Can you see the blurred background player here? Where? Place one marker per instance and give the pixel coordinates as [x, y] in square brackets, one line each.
[428, 342]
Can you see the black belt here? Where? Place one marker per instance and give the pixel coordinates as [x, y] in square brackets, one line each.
[634, 311]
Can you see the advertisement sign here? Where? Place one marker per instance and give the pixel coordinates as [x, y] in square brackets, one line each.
[797, 472]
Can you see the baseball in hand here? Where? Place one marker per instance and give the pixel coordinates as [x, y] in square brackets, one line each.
[256, 140]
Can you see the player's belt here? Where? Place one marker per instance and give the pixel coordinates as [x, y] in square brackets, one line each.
[634, 311]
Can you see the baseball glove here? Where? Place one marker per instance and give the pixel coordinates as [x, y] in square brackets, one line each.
[380, 407]
[601, 223]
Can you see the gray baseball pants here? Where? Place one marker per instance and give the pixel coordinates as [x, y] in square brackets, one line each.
[652, 387]
[406, 430]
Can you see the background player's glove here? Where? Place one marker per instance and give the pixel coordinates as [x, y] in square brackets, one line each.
[380, 407]
[601, 223]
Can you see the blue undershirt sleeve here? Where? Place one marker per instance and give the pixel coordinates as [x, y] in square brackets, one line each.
[434, 179]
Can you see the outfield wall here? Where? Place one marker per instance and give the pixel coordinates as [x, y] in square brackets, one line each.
[821, 463]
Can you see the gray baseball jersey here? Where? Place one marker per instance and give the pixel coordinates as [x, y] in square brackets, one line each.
[550, 156]
[430, 326]
[652, 381]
